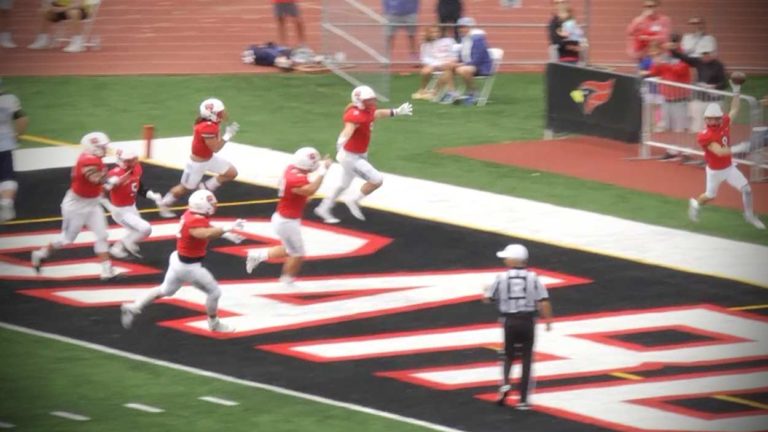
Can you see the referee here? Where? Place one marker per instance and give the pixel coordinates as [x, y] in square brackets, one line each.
[519, 295]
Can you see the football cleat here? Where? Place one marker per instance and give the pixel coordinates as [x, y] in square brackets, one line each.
[252, 261]
[128, 313]
[37, 260]
[693, 210]
[503, 392]
[355, 209]
[216, 325]
[326, 215]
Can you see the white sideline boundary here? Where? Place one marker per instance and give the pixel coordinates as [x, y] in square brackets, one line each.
[502, 214]
[227, 378]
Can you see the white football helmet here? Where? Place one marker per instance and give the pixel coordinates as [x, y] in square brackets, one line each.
[212, 109]
[307, 159]
[127, 158]
[95, 143]
[203, 202]
[713, 110]
[362, 93]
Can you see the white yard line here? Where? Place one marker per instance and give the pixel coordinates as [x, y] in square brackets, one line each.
[227, 378]
[502, 214]
[69, 415]
[4, 425]
[142, 407]
[219, 401]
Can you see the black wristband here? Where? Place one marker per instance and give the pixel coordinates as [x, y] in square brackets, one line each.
[391, 112]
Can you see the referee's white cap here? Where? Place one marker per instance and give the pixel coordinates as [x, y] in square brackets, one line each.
[515, 252]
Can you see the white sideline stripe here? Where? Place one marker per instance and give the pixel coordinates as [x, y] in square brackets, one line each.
[69, 415]
[213, 399]
[142, 407]
[4, 425]
[227, 378]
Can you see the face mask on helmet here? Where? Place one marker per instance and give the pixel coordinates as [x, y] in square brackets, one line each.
[306, 158]
[363, 97]
[127, 159]
[202, 202]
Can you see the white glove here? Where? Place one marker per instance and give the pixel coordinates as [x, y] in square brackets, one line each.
[741, 147]
[154, 196]
[237, 225]
[736, 88]
[404, 109]
[230, 131]
[340, 156]
[111, 183]
[233, 237]
[322, 170]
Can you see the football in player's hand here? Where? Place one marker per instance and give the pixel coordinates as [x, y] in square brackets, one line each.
[738, 78]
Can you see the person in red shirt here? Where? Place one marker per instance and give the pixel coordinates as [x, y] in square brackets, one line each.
[649, 26]
[80, 207]
[716, 142]
[122, 203]
[674, 107]
[352, 147]
[294, 189]
[207, 140]
[185, 264]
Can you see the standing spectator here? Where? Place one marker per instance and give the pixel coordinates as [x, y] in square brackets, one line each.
[436, 53]
[73, 11]
[13, 122]
[710, 73]
[695, 44]
[294, 191]
[561, 10]
[647, 27]
[288, 9]
[402, 14]
[448, 12]
[519, 295]
[474, 60]
[675, 106]
[6, 39]
[572, 38]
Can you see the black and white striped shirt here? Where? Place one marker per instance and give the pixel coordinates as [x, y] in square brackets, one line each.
[517, 290]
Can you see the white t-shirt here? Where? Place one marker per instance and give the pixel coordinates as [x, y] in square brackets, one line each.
[438, 52]
[573, 31]
[694, 44]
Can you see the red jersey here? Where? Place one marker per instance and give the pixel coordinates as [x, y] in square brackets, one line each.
[720, 135]
[80, 184]
[124, 193]
[676, 72]
[204, 129]
[291, 205]
[361, 137]
[186, 244]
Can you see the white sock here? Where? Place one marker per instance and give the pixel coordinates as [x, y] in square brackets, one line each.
[287, 279]
[169, 199]
[106, 266]
[357, 196]
[261, 254]
[212, 184]
[44, 252]
[6, 202]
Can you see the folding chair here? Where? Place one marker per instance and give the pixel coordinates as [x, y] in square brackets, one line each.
[90, 40]
[497, 54]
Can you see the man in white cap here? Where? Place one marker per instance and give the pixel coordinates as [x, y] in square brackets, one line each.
[520, 297]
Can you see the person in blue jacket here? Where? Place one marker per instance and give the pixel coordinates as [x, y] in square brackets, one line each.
[473, 60]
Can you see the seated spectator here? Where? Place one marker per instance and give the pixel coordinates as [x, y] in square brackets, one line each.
[73, 11]
[699, 41]
[402, 14]
[555, 24]
[572, 38]
[436, 53]
[710, 74]
[649, 26]
[473, 61]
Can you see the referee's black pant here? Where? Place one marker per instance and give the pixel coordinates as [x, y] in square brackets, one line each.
[518, 340]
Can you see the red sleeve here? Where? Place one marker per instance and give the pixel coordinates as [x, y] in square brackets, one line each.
[209, 129]
[683, 72]
[115, 172]
[656, 69]
[89, 159]
[704, 138]
[354, 115]
[726, 121]
[295, 179]
[198, 221]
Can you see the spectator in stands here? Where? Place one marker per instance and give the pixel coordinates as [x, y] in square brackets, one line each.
[436, 53]
[73, 11]
[6, 39]
[710, 73]
[555, 24]
[402, 14]
[284, 10]
[647, 27]
[675, 106]
[474, 60]
[448, 12]
[699, 41]
[572, 38]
